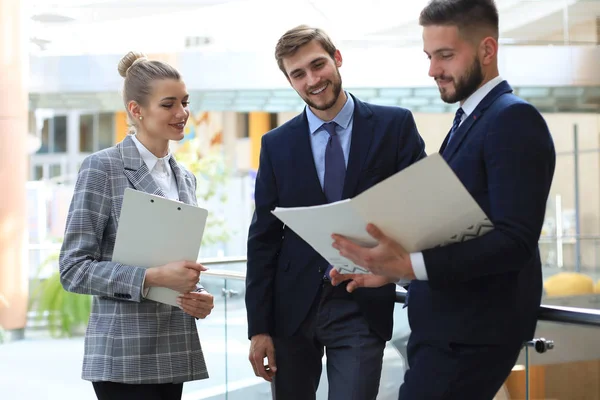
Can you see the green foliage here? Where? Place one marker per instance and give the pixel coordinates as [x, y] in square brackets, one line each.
[65, 312]
[212, 176]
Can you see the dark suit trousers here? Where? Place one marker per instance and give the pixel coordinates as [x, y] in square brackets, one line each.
[456, 371]
[335, 325]
[124, 391]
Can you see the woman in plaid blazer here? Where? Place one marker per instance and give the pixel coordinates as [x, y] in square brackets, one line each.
[136, 348]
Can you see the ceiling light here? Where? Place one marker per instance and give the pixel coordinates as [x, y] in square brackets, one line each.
[51, 18]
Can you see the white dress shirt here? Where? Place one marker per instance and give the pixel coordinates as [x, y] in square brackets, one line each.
[160, 169]
[416, 259]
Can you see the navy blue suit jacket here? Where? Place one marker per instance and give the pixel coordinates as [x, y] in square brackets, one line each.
[284, 273]
[488, 290]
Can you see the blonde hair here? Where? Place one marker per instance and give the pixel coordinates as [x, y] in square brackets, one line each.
[139, 74]
[297, 37]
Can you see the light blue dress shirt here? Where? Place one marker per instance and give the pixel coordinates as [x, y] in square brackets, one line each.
[319, 136]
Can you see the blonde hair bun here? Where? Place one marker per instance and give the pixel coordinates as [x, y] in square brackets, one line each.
[129, 60]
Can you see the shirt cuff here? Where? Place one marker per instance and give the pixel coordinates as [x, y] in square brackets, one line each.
[145, 290]
[418, 264]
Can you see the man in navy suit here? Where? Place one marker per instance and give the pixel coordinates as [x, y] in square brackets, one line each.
[471, 305]
[336, 148]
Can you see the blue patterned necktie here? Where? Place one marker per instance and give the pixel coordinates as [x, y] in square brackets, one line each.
[335, 170]
[455, 124]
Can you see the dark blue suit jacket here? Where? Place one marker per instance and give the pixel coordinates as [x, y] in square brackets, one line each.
[284, 273]
[488, 290]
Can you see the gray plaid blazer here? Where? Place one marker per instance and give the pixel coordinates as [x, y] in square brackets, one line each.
[128, 339]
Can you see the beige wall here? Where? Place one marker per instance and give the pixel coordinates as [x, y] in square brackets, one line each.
[586, 32]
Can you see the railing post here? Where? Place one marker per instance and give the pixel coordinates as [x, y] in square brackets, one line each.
[541, 345]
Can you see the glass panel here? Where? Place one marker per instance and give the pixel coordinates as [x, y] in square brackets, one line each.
[213, 341]
[106, 131]
[86, 133]
[566, 372]
[242, 384]
[394, 357]
[60, 134]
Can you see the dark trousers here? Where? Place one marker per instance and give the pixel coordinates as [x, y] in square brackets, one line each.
[335, 326]
[125, 391]
[441, 371]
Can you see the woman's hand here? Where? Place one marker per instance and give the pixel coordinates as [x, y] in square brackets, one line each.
[197, 304]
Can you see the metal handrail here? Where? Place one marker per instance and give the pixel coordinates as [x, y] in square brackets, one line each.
[569, 315]
[558, 314]
[548, 313]
[223, 273]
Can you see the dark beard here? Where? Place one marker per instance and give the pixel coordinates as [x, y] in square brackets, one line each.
[466, 85]
[337, 89]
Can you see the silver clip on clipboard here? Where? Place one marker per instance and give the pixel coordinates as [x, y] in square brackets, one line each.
[155, 231]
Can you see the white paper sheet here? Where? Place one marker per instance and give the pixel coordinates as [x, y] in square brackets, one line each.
[421, 207]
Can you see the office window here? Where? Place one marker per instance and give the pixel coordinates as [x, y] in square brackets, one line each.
[106, 130]
[38, 173]
[86, 133]
[60, 134]
[45, 147]
[55, 170]
[54, 135]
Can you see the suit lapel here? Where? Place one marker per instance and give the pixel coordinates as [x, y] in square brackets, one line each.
[360, 144]
[136, 170]
[449, 149]
[185, 187]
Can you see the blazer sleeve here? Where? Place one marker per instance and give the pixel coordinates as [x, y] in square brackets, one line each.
[519, 161]
[264, 243]
[412, 146]
[80, 262]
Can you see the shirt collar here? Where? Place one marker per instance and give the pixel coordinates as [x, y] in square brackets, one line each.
[343, 118]
[149, 158]
[473, 100]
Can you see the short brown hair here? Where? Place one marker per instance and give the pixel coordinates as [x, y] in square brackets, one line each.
[297, 37]
[139, 74]
[466, 15]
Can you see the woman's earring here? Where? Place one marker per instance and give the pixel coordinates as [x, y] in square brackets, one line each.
[141, 117]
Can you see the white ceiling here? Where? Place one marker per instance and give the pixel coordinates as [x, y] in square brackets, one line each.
[73, 27]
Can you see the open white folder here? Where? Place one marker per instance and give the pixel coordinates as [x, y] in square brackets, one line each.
[155, 231]
[421, 207]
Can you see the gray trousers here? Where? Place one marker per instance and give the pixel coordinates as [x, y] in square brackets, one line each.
[335, 326]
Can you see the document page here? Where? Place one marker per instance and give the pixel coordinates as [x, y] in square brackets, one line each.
[421, 207]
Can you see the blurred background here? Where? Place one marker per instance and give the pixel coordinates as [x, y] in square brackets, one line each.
[60, 101]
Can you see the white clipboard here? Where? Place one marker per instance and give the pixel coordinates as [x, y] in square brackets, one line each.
[155, 231]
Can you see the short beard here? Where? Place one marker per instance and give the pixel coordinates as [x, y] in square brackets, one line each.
[466, 84]
[337, 90]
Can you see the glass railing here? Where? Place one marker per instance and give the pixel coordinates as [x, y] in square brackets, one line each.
[225, 343]
[563, 363]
